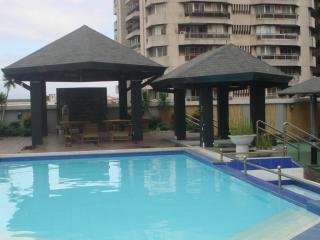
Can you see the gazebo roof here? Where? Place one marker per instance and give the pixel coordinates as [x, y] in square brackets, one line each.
[227, 64]
[84, 50]
[308, 87]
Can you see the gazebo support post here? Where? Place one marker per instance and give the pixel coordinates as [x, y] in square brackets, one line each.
[180, 113]
[257, 105]
[206, 113]
[223, 111]
[314, 115]
[314, 127]
[123, 106]
[136, 110]
[44, 110]
[36, 94]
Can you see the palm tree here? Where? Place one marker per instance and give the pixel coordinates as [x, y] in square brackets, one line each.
[8, 84]
[3, 100]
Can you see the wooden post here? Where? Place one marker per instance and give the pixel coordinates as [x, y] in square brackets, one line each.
[206, 116]
[36, 112]
[44, 110]
[223, 111]
[123, 105]
[136, 108]
[180, 114]
[257, 105]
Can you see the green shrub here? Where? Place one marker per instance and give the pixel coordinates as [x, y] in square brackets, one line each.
[264, 142]
[192, 127]
[154, 123]
[13, 130]
[241, 127]
[27, 122]
[27, 132]
[14, 125]
[164, 126]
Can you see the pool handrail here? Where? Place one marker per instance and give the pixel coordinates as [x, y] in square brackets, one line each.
[312, 143]
[243, 157]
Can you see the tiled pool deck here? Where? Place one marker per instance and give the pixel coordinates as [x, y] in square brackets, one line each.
[54, 143]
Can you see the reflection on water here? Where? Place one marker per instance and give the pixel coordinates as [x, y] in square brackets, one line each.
[149, 197]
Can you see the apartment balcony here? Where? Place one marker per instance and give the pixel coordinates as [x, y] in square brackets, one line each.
[272, 2]
[277, 18]
[216, 14]
[313, 61]
[135, 46]
[186, 38]
[280, 59]
[205, 35]
[133, 9]
[135, 15]
[278, 39]
[152, 2]
[191, 56]
[115, 6]
[157, 40]
[156, 19]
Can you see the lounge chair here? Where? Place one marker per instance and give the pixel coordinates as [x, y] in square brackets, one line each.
[90, 133]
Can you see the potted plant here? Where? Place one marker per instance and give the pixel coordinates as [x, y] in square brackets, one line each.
[242, 135]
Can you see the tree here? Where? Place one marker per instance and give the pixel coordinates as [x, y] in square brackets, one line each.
[8, 84]
[3, 101]
[163, 101]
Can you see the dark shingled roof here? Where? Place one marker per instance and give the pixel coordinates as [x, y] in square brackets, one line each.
[84, 48]
[309, 87]
[225, 64]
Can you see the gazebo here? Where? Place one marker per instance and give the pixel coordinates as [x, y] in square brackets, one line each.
[83, 56]
[309, 88]
[226, 68]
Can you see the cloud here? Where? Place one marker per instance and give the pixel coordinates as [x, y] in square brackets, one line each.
[27, 25]
[44, 20]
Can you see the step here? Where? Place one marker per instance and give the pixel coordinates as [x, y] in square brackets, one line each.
[284, 226]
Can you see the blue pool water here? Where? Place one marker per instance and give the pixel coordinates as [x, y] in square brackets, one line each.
[160, 197]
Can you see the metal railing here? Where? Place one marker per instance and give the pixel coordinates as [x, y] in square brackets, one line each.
[278, 36]
[222, 14]
[277, 15]
[191, 35]
[195, 121]
[263, 127]
[313, 140]
[278, 172]
[292, 57]
[289, 138]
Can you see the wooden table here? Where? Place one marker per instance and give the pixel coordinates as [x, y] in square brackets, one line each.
[69, 126]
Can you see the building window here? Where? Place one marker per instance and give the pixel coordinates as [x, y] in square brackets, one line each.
[158, 51]
[157, 30]
[134, 42]
[275, 9]
[268, 50]
[157, 9]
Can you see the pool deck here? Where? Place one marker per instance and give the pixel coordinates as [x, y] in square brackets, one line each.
[55, 143]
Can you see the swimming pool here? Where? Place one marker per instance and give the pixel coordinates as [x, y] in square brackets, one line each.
[155, 196]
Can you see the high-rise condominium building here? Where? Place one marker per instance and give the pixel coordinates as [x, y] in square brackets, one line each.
[171, 32]
[317, 35]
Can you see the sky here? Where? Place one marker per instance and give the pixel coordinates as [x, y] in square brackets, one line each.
[27, 25]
